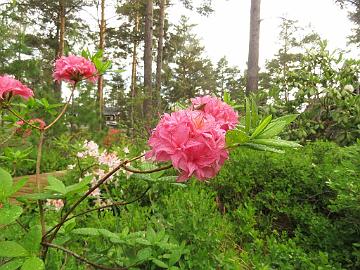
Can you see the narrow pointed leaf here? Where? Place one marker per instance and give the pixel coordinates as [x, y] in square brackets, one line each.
[277, 143]
[287, 118]
[254, 114]
[247, 116]
[263, 148]
[5, 184]
[264, 123]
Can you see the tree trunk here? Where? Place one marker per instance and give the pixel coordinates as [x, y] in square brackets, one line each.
[133, 71]
[102, 28]
[147, 110]
[61, 41]
[253, 58]
[160, 49]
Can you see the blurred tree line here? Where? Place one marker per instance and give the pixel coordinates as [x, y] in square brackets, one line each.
[165, 63]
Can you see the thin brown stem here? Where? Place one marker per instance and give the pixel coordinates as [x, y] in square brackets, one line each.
[8, 138]
[21, 118]
[38, 183]
[101, 181]
[80, 258]
[106, 206]
[63, 109]
[148, 171]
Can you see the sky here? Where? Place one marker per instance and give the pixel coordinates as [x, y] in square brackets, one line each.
[226, 31]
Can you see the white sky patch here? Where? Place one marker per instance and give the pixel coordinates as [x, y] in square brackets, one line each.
[226, 32]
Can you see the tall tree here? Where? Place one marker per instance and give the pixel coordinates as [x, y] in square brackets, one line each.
[229, 79]
[147, 108]
[102, 29]
[187, 72]
[253, 58]
[354, 15]
[160, 48]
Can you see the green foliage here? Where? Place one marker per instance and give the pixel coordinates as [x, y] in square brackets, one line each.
[298, 210]
[260, 135]
[320, 84]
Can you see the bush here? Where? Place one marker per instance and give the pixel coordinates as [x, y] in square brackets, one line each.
[299, 210]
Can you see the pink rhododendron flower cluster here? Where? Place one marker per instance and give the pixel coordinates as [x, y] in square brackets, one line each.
[12, 87]
[194, 140]
[224, 114]
[73, 69]
[56, 204]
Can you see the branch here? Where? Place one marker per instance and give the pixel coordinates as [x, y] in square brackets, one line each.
[57, 227]
[149, 171]
[8, 138]
[63, 110]
[21, 118]
[80, 258]
[38, 163]
[107, 206]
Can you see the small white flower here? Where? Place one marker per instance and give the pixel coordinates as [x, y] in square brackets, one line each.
[126, 150]
[71, 166]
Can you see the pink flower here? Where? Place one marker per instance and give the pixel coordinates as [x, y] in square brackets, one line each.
[57, 204]
[224, 114]
[91, 149]
[11, 87]
[192, 140]
[73, 69]
[109, 159]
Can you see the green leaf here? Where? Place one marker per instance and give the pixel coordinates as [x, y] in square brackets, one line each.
[254, 114]
[144, 254]
[169, 179]
[227, 98]
[117, 70]
[113, 237]
[143, 241]
[18, 185]
[160, 263]
[32, 239]
[9, 213]
[236, 136]
[78, 187]
[276, 126]
[264, 123]
[33, 263]
[287, 118]
[277, 143]
[263, 148]
[5, 184]
[272, 130]
[12, 265]
[175, 256]
[87, 231]
[38, 196]
[247, 115]
[56, 185]
[12, 249]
